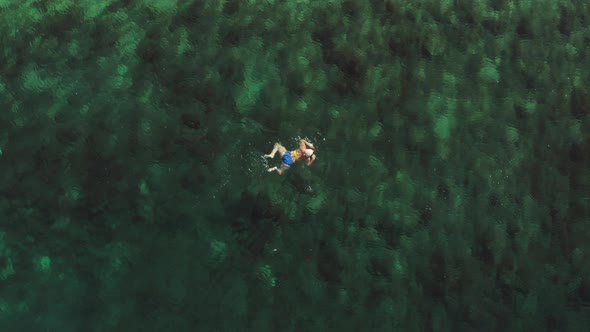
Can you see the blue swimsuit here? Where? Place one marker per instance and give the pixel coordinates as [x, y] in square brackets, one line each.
[290, 157]
[287, 160]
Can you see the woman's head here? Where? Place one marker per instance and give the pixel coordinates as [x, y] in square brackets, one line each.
[308, 152]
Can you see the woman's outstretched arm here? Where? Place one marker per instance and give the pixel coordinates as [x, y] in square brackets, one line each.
[306, 143]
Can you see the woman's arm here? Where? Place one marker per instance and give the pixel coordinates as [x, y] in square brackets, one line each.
[307, 143]
[310, 161]
[302, 145]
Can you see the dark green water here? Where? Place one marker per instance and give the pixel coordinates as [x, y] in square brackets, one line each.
[451, 190]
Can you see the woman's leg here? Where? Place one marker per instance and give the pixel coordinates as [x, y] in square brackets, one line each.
[282, 168]
[277, 148]
[279, 169]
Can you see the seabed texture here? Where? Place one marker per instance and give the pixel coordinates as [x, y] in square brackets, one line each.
[451, 190]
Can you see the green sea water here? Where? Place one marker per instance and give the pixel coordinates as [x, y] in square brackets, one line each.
[451, 190]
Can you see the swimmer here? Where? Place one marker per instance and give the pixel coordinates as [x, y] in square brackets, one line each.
[305, 153]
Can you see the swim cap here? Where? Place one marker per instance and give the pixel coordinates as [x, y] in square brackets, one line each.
[308, 152]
